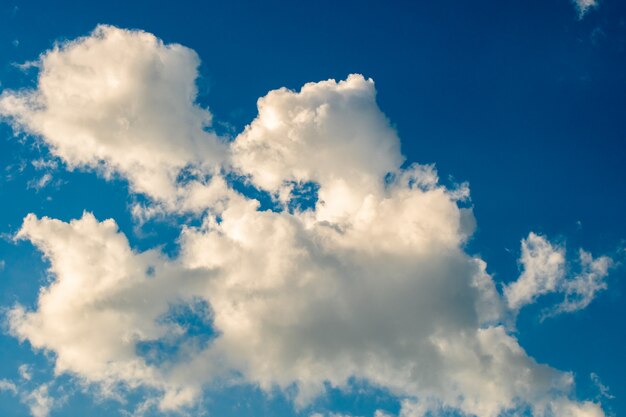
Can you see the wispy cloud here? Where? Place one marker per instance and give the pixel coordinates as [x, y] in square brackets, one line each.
[584, 6]
[546, 270]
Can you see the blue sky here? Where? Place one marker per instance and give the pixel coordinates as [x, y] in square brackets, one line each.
[522, 101]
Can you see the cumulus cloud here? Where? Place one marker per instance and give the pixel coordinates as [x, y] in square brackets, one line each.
[370, 281]
[328, 132]
[120, 102]
[545, 270]
[104, 301]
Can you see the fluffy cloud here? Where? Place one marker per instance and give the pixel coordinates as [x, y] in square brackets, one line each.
[544, 271]
[371, 282]
[105, 300]
[120, 102]
[331, 133]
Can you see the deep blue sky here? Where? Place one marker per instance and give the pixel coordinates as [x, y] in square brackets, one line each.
[521, 99]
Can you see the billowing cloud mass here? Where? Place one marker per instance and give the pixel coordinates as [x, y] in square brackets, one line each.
[370, 281]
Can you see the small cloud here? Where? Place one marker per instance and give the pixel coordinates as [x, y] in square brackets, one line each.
[16, 43]
[6, 385]
[603, 389]
[26, 65]
[25, 372]
[41, 163]
[38, 184]
[546, 270]
[584, 6]
[13, 171]
[39, 401]
[597, 35]
[2, 264]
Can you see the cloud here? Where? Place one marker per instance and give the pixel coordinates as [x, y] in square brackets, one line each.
[582, 289]
[584, 6]
[40, 183]
[105, 300]
[39, 402]
[369, 281]
[114, 101]
[603, 390]
[331, 133]
[25, 372]
[544, 271]
[9, 386]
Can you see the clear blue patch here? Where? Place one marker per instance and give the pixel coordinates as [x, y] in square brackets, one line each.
[242, 185]
[189, 174]
[359, 399]
[303, 196]
[194, 318]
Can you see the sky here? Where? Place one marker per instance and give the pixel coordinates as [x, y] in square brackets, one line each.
[316, 209]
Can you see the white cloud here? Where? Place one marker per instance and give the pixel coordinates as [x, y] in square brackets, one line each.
[545, 271]
[105, 300]
[120, 102]
[331, 133]
[41, 182]
[603, 390]
[25, 372]
[9, 386]
[371, 283]
[584, 6]
[582, 289]
[39, 402]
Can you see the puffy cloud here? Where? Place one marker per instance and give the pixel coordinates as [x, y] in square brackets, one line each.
[330, 133]
[371, 282]
[545, 270]
[120, 102]
[104, 301]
